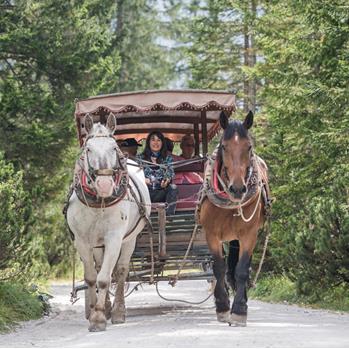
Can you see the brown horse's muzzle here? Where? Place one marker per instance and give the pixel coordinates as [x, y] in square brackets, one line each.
[237, 192]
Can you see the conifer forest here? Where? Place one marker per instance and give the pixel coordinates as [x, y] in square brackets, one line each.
[286, 60]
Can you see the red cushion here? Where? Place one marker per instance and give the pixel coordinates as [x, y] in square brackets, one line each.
[188, 195]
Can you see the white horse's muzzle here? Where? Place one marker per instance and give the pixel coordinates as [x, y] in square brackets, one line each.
[104, 186]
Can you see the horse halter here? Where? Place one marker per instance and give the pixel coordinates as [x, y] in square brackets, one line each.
[118, 172]
[249, 170]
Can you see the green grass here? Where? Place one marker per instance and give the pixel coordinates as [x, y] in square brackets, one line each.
[281, 289]
[17, 304]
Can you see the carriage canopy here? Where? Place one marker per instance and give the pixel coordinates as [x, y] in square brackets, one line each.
[174, 112]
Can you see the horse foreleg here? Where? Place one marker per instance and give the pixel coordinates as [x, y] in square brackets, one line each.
[219, 270]
[90, 276]
[98, 254]
[118, 313]
[98, 321]
[239, 308]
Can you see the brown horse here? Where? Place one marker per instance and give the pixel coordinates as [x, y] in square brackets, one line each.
[232, 209]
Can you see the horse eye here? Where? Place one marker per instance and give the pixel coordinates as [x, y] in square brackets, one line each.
[88, 149]
[223, 147]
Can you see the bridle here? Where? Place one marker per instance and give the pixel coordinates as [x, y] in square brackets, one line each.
[119, 172]
[248, 175]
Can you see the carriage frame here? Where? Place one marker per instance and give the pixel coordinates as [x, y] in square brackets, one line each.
[177, 242]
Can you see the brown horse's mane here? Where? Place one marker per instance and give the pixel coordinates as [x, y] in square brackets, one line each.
[235, 126]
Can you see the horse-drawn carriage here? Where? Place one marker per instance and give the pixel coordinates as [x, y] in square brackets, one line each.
[175, 114]
[111, 214]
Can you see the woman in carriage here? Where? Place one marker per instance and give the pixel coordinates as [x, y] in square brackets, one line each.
[159, 178]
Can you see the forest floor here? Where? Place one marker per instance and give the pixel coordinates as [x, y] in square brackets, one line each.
[154, 322]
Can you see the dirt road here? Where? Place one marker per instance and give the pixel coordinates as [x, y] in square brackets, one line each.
[153, 322]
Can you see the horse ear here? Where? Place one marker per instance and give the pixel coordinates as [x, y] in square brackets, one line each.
[111, 123]
[248, 120]
[223, 120]
[88, 122]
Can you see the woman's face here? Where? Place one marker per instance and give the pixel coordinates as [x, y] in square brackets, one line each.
[155, 143]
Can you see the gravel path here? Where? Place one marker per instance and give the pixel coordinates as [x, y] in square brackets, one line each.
[153, 322]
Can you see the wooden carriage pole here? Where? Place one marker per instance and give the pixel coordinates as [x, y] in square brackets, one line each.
[162, 230]
[204, 132]
[196, 138]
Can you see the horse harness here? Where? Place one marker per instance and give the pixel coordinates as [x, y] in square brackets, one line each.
[215, 190]
[88, 196]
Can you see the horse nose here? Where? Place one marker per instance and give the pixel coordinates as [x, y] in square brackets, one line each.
[104, 186]
[232, 189]
[237, 192]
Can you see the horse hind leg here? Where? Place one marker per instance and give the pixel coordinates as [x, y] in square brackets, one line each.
[118, 313]
[232, 261]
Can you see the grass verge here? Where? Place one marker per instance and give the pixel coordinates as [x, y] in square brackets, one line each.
[282, 289]
[17, 304]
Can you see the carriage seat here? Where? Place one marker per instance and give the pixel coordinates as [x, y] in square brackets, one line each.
[188, 195]
[189, 183]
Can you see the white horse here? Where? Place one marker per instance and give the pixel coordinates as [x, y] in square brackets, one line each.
[105, 231]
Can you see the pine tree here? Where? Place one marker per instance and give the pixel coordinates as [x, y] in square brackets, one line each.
[137, 39]
[306, 48]
[222, 48]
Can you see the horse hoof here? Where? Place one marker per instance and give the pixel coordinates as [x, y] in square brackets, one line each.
[237, 320]
[224, 316]
[97, 327]
[98, 321]
[118, 319]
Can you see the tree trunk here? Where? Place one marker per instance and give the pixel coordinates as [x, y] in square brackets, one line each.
[253, 58]
[118, 41]
[247, 64]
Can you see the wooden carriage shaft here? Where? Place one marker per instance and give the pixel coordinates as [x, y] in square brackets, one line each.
[162, 231]
[204, 132]
[197, 138]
